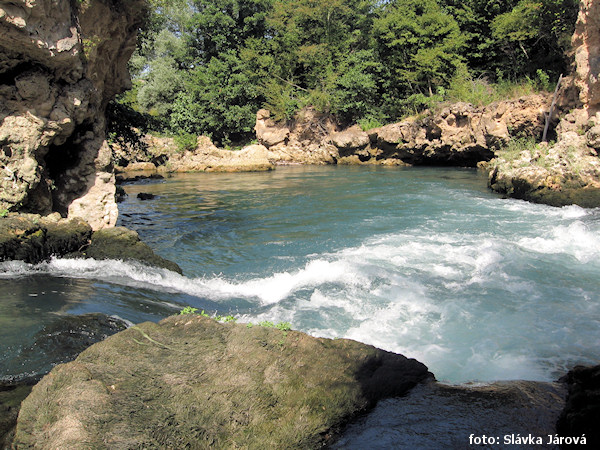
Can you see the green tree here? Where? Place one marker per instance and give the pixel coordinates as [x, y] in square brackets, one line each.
[220, 99]
[536, 34]
[420, 45]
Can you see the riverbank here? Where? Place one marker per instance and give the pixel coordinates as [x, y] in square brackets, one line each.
[501, 138]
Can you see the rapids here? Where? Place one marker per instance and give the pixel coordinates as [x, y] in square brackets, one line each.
[421, 261]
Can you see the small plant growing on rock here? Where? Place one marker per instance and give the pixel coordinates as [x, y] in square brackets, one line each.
[188, 310]
[284, 326]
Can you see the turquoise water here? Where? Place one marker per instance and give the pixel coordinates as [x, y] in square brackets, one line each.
[421, 261]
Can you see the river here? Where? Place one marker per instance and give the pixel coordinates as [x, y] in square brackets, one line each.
[422, 261]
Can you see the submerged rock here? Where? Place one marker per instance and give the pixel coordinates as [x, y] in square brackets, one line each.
[145, 196]
[190, 381]
[11, 396]
[516, 414]
[59, 342]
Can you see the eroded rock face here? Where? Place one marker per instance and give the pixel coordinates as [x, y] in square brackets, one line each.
[461, 134]
[61, 61]
[458, 135]
[586, 43]
[190, 381]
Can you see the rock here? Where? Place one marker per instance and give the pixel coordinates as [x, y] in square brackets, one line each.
[352, 138]
[145, 196]
[60, 63]
[140, 167]
[121, 243]
[564, 174]
[190, 381]
[307, 138]
[209, 158]
[309, 153]
[136, 177]
[268, 132]
[593, 137]
[581, 414]
[32, 238]
[460, 134]
[586, 43]
[436, 416]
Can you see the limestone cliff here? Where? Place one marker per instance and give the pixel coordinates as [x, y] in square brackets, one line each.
[61, 61]
[586, 43]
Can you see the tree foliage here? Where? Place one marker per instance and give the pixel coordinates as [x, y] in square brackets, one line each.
[206, 66]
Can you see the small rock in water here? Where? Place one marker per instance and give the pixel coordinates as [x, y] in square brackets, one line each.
[145, 196]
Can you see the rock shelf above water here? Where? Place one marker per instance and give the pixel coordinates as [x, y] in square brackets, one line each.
[190, 381]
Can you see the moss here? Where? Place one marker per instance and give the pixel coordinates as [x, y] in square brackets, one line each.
[197, 383]
[122, 243]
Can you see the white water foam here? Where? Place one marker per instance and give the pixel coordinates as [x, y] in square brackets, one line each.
[575, 239]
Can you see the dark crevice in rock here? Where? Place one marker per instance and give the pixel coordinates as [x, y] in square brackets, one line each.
[60, 159]
[8, 77]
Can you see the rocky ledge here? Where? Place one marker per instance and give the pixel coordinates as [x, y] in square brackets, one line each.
[33, 238]
[191, 382]
[457, 135]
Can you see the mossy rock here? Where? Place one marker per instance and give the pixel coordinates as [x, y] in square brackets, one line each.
[191, 382]
[33, 239]
[122, 243]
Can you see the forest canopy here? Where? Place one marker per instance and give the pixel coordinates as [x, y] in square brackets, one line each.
[207, 66]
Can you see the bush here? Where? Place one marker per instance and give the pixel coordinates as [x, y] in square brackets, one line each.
[186, 142]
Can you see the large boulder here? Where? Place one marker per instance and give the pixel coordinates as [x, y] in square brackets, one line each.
[352, 138]
[191, 382]
[58, 342]
[61, 61]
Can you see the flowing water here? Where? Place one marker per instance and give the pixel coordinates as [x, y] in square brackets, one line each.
[421, 261]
